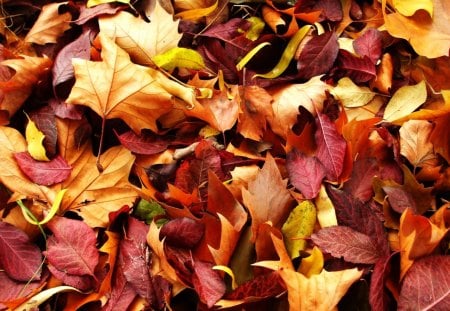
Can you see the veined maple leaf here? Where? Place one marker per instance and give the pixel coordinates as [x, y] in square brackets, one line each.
[117, 88]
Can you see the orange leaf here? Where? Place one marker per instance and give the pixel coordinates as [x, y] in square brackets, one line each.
[117, 88]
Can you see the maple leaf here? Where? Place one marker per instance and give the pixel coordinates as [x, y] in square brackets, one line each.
[117, 88]
[415, 142]
[50, 24]
[18, 256]
[267, 197]
[132, 33]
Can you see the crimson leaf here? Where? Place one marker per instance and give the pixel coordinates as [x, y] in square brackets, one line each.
[378, 297]
[331, 147]
[318, 55]
[356, 68]
[71, 249]
[142, 144]
[183, 232]
[341, 241]
[18, 256]
[12, 290]
[369, 44]
[122, 293]
[208, 283]
[43, 173]
[426, 286]
[305, 173]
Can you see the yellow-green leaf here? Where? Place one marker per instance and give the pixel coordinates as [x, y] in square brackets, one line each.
[408, 7]
[352, 95]
[179, 58]
[92, 3]
[298, 227]
[312, 264]
[287, 55]
[256, 27]
[407, 99]
[250, 55]
[35, 138]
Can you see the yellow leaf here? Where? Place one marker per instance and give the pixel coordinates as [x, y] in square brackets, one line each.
[229, 272]
[51, 212]
[352, 95]
[408, 7]
[298, 227]
[118, 88]
[287, 55]
[179, 58]
[35, 139]
[92, 3]
[407, 99]
[249, 55]
[256, 27]
[320, 291]
[142, 40]
[326, 215]
[50, 25]
[312, 264]
[197, 13]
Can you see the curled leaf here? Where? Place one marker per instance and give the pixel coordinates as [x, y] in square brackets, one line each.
[250, 55]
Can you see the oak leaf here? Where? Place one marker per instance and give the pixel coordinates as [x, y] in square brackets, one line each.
[140, 39]
[117, 88]
[50, 25]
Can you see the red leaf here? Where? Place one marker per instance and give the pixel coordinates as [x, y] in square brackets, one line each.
[122, 293]
[146, 144]
[43, 173]
[345, 242]
[378, 297]
[318, 55]
[331, 147]
[18, 256]
[358, 69]
[183, 232]
[134, 258]
[13, 290]
[71, 249]
[208, 283]
[305, 173]
[369, 45]
[80, 48]
[66, 111]
[46, 122]
[262, 286]
[330, 9]
[399, 199]
[87, 14]
[426, 286]
[360, 183]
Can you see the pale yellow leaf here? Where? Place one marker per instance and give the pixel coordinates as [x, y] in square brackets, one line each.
[407, 99]
[34, 302]
[50, 25]
[140, 39]
[35, 139]
[408, 7]
[326, 214]
[352, 95]
[298, 227]
[415, 144]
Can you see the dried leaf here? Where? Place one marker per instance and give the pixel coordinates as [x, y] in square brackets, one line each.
[182, 232]
[415, 142]
[359, 69]
[208, 283]
[369, 44]
[18, 256]
[143, 144]
[352, 95]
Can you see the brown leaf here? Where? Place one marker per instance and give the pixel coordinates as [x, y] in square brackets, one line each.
[267, 197]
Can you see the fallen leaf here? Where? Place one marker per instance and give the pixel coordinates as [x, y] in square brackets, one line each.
[35, 140]
[353, 246]
[369, 44]
[182, 232]
[320, 291]
[407, 99]
[14, 293]
[359, 69]
[421, 29]
[50, 25]
[267, 197]
[179, 58]
[143, 144]
[262, 286]
[44, 295]
[92, 3]
[18, 256]
[426, 285]
[124, 88]
[208, 283]
[352, 95]
[415, 142]
[131, 33]
[326, 214]
[313, 264]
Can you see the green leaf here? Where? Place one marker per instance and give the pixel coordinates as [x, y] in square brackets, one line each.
[146, 211]
[298, 226]
[179, 58]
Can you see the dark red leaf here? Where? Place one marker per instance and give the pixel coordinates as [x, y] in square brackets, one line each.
[426, 285]
[330, 9]
[350, 211]
[122, 293]
[183, 232]
[80, 48]
[46, 122]
[43, 173]
[318, 55]
[305, 173]
[353, 246]
[207, 283]
[134, 258]
[82, 282]
[146, 144]
[261, 286]
[399, 199]
[356, 68]
[331, 147]
[360, 183]
[369, 44]
[71, 249]
[378, 297]
[18, 256]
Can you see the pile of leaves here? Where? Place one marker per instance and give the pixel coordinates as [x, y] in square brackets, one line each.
[201, 154]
